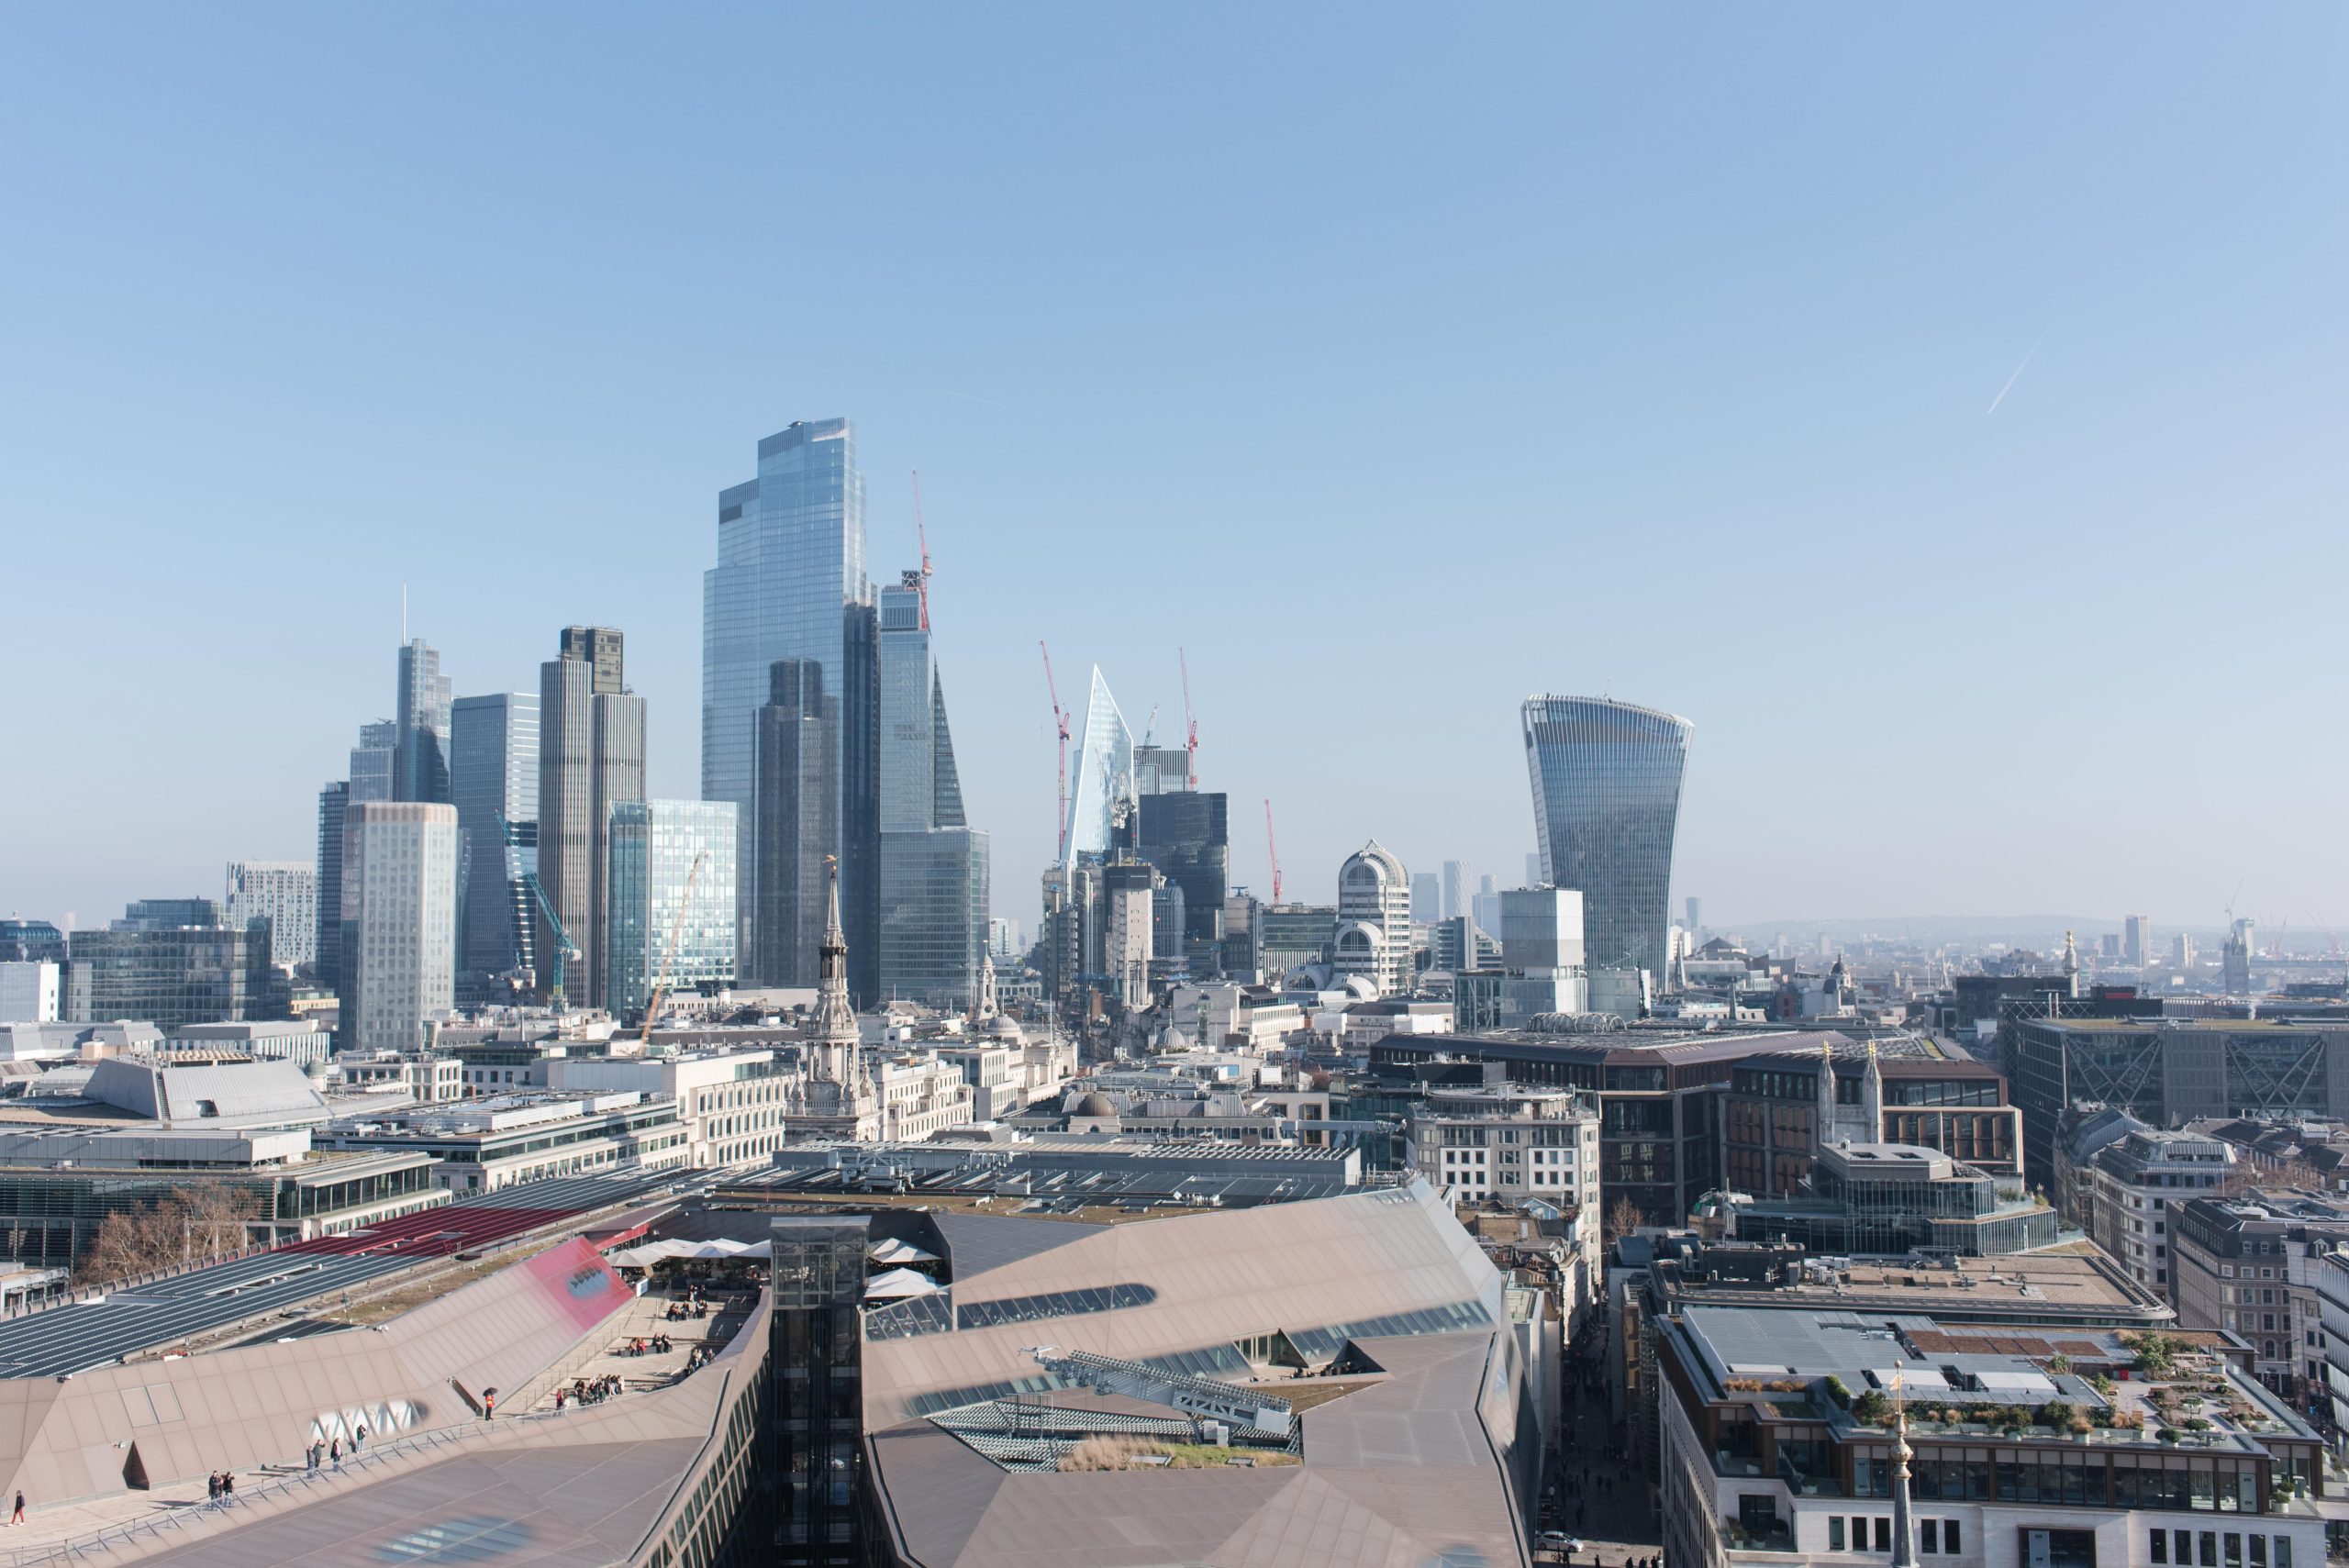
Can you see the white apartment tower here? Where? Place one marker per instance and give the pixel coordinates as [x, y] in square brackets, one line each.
[399, 922]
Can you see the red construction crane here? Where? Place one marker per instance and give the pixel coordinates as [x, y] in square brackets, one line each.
[1272, 849]
[1059, 716]
[923, 535]
[1190, 724]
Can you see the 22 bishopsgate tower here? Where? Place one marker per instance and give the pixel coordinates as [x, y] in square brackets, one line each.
[799, 733]
[1606, 780]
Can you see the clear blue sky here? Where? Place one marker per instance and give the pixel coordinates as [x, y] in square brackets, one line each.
[1398, 361]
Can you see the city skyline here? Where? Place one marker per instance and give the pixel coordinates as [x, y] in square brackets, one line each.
[1887, 557]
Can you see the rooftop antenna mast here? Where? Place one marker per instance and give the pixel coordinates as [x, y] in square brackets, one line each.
[921, 534]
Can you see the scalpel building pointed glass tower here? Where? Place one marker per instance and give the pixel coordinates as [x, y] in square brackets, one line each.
[934, 866]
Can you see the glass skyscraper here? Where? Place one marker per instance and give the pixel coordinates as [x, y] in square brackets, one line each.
[934, 867]
[420, 752]
[493, 784]
[654, 847]
[790, 571]
[1606, 780]
[1105, 773]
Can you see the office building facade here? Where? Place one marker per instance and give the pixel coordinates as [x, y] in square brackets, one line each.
[169, 975]
[31, 942]
[934, 868]
[672, 910]
[1374, 932]
[1186, 834]
[796, 806]
[399, 922]
[325, 937]
[493, 784]
[30, 992]
[1541, 954]
[1459, 890]
[375, 762]
[1606, 778]
[282, 897]
[420, 747]
[790, 571]
[591, 758]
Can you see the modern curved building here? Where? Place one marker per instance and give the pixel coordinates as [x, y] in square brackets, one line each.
[1606, 783]
[1374, 935]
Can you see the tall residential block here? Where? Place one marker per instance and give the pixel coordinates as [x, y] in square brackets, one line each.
[420, 746]
[671, 914]
[2137, 941]
[493, 784]
[789, 581]
[283, 896]
[591, 757]
[399, 922]
[1606, 778]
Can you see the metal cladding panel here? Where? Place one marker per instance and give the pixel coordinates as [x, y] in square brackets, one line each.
[1214, 1277]
[261, 1404]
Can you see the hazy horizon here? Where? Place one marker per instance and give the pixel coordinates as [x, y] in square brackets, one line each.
[1394, 373]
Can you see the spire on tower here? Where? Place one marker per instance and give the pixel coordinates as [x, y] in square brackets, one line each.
[1904, 1528]
[836, 1041]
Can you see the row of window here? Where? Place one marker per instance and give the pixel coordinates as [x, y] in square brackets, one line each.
[1935, 1536]
[2201, 1549]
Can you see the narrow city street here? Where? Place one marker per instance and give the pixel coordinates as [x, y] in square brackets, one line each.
[1599, 1500]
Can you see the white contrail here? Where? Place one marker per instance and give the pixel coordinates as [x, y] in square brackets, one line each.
[989, 400]
[2010, 381]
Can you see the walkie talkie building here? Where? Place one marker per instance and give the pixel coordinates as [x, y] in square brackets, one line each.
[1606, 800]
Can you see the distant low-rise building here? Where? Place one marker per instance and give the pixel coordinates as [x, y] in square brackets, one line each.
[729, 1103]
[1893, 1198]
[299, 1040]
[2135, 1183]
[488, 1144]
[2249, 1264]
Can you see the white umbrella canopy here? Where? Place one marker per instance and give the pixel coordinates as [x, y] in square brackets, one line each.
[896, 1284]
[892, 1250]
[652, 1252]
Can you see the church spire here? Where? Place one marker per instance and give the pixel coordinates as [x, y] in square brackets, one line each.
[836, 1038]
[1904, 1528]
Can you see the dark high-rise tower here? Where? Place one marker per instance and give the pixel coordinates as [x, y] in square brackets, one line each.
[591, 755]
[493, 784]
[1606, 780]
[798, 806]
